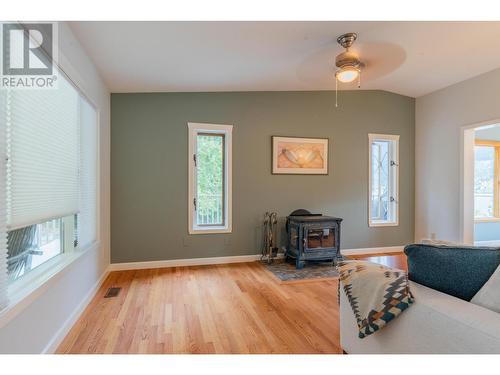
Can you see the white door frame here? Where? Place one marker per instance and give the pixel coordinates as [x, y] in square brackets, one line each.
[467, 179]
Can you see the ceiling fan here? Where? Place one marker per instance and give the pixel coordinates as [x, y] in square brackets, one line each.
[348, 64]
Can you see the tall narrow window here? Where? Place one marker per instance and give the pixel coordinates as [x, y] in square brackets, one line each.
[209, 178]
[383, 180]
[486, 180]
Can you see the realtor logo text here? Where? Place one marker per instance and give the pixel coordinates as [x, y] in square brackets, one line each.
[28, 55]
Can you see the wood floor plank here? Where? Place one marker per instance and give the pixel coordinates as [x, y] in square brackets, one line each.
[236, 308]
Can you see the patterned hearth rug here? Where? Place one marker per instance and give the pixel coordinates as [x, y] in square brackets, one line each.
[285, 271]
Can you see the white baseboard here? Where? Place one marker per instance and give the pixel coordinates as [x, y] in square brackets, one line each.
[373, 250]
[182, 262]
[231, 259]
[73, 318]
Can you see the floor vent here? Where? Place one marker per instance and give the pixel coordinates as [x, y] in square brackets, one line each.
[112, 292]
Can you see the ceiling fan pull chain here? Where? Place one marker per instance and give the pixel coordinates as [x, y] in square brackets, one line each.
[336, 92]
[359, 80]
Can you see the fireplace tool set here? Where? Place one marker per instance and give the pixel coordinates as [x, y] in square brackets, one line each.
[269, 247]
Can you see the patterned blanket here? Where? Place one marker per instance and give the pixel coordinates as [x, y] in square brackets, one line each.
[377, 293]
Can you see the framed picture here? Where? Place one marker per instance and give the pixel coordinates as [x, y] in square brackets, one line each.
[294, 155]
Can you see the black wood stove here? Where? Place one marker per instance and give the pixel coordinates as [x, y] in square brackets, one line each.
[312, 237]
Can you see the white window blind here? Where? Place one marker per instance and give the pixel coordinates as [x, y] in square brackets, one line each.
[43, 154]
[3, 201]
[48, 164]
[87, 219]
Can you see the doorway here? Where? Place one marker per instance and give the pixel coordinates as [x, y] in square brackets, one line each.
[481, 184]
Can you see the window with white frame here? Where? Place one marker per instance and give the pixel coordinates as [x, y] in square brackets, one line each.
[486, 180]
[48, 182]
[383, 180]
[210, 153]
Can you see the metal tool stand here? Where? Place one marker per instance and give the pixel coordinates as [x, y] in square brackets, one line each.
[269, 248]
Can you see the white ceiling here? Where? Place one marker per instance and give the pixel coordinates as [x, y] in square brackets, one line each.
[409, 58]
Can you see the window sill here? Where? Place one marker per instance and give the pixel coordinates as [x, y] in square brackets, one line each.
[383, 224]
[29, 287]
[210, 230]
[487, 220]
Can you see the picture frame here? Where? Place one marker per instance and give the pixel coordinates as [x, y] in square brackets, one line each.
[300, 155]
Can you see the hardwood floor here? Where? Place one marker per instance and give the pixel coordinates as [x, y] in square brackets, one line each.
[388, 259]
[236, 308]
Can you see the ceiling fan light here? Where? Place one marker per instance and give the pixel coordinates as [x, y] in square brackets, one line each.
[347, 74]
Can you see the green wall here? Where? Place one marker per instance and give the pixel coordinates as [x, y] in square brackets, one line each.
[149, 165]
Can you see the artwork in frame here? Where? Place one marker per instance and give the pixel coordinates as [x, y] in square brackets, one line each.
[294, 155]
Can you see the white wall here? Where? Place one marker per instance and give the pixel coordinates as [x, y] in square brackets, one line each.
[42, 324]
[439, 118]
